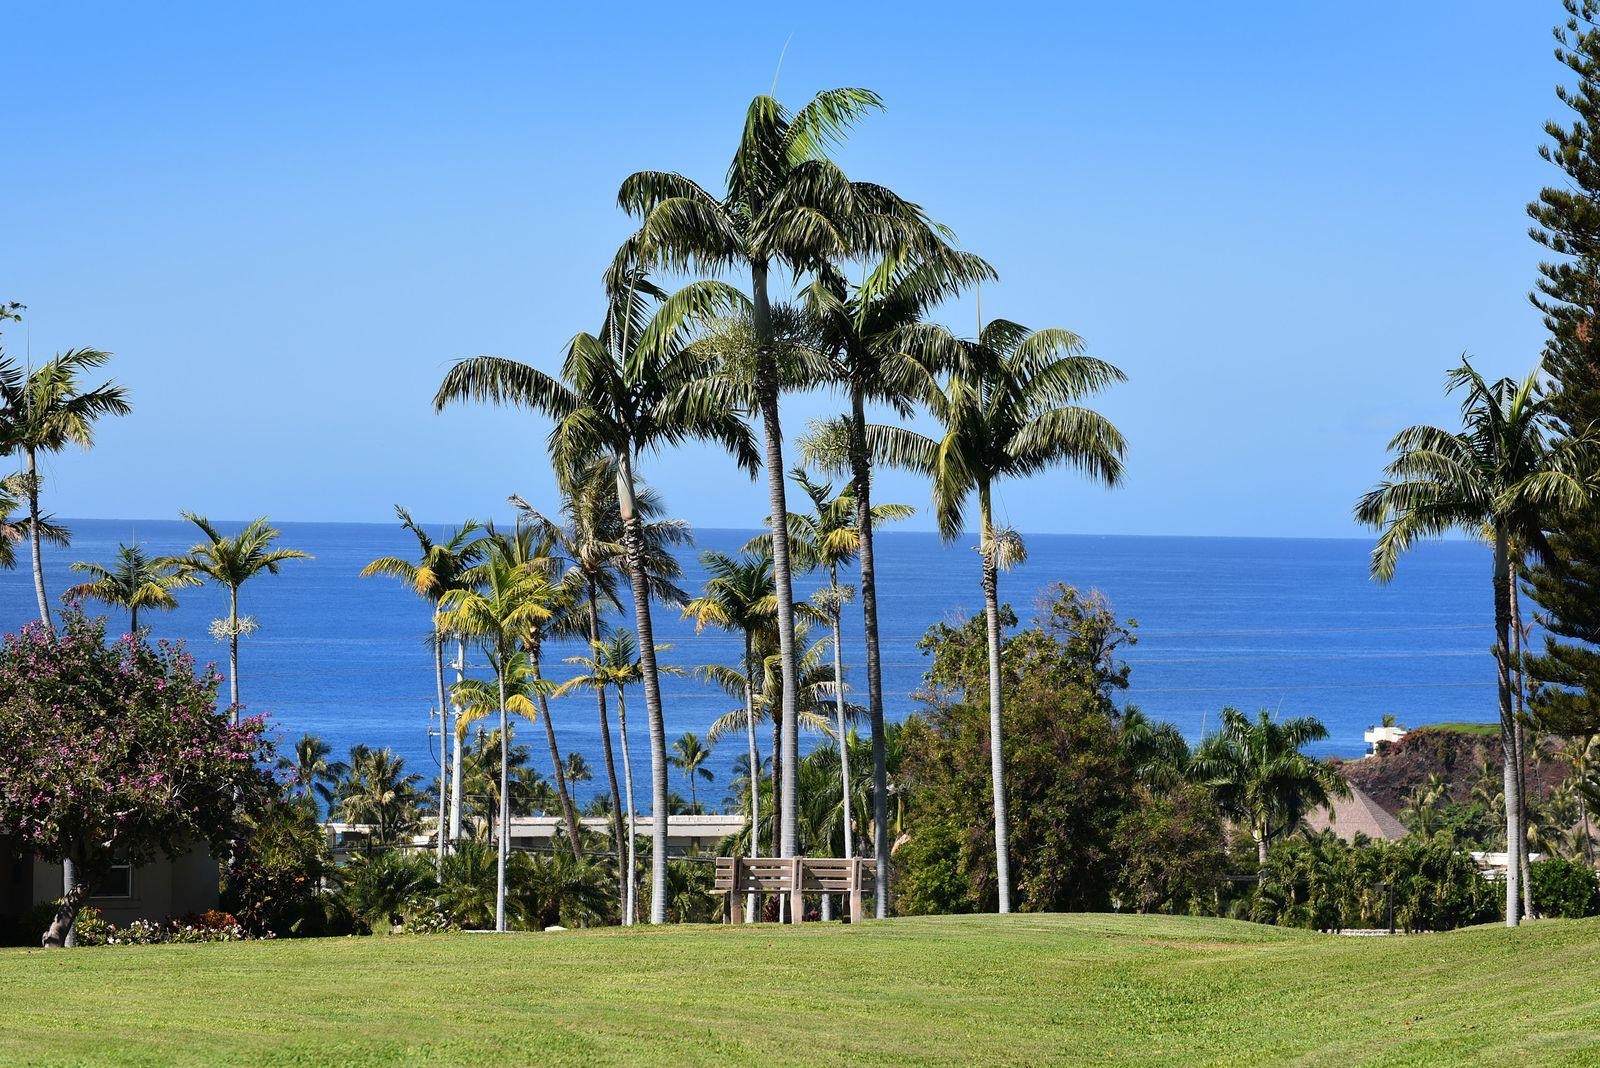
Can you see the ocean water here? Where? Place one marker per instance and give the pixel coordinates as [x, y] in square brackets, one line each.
[1290, 625]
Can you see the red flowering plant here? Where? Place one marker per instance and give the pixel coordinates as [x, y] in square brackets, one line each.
[116, 753]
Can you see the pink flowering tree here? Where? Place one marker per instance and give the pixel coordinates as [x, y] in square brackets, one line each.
[117, 753]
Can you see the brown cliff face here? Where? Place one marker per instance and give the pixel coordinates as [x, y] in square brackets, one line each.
[1390, 775]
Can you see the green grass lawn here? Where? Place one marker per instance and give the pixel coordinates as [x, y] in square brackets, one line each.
[952, 990]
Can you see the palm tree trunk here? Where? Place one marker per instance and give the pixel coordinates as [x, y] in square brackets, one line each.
[1519, 688]
[232, 653]
[444, 731]
[133, 619]
[755, 764]
[569, 815]
[777, 762]
[991, 611]
[633, 546]
[628, 909]
[605, 745]
[36, 540]
[455, 749]
[844, 746]
[1508, 746]
[1261, 855]
[505, 801]
[861, 470]
[782, 578]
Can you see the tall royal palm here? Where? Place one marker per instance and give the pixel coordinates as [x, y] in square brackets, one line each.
[870, 336]
[134, 580]
[589, 533]
[1500, 477]
[44, 411]
[498, 607]
[622, 397]
[1260, 776]
[1008, 410]
[787, 206]
[440, 566]
[230, 562]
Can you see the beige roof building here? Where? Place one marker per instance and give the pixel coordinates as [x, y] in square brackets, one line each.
[1356, 814]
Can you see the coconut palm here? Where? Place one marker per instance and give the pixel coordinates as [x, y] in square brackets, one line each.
[1500, 478]
[589, 533]
[739, 597]
[134, 581]
[827, 539]
[786, 206]
[440, 566]
[1259, 776]
[230, 562]
[377, 790]
[315, 776]
[44, 411]
[622, 397]
[689, 755]
[532, 546]
[500, 605]
[1008, 409]
[615, 661]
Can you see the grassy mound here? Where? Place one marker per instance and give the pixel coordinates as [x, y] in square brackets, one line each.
[1143, 990]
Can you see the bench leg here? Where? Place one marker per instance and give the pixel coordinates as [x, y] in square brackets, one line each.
[797, 895]
[735, 908]
[855, 906]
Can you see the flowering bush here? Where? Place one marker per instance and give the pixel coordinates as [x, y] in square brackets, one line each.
[117, 753]
[429, 922]
[209, 926]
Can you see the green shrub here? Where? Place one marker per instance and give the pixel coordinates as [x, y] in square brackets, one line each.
[1562, 888]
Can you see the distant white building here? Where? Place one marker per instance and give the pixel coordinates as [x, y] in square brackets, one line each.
[1376, 736]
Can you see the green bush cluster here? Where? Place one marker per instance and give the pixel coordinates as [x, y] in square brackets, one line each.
[1323, 883]
[1564, 888]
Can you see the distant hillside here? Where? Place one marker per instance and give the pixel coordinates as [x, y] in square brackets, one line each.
[1456, 751]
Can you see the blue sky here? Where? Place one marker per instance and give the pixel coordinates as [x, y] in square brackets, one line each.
[1283, 223]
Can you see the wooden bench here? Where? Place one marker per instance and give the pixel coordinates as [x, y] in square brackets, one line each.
[795, 876]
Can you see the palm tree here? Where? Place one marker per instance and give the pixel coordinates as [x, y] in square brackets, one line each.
[316, 777]
[13, 528]
[44, 411]
[1008, 410]
[869, 335]
[1500, 477]
[531, 546]
[441, 566]
[739, 596]
[830, 538]
[1260, 777]
[786, 205]
[621, 396]
[133, 582]
[689, 756]
[498, 607]
[230, 562]
[590, 534]
[616, 662]
[377, 790]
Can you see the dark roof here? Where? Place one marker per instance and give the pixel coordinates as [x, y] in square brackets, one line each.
[1356, 814]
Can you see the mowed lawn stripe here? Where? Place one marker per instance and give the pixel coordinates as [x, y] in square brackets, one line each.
[947, 990]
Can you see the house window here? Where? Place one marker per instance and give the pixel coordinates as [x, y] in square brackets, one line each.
[117, 883]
